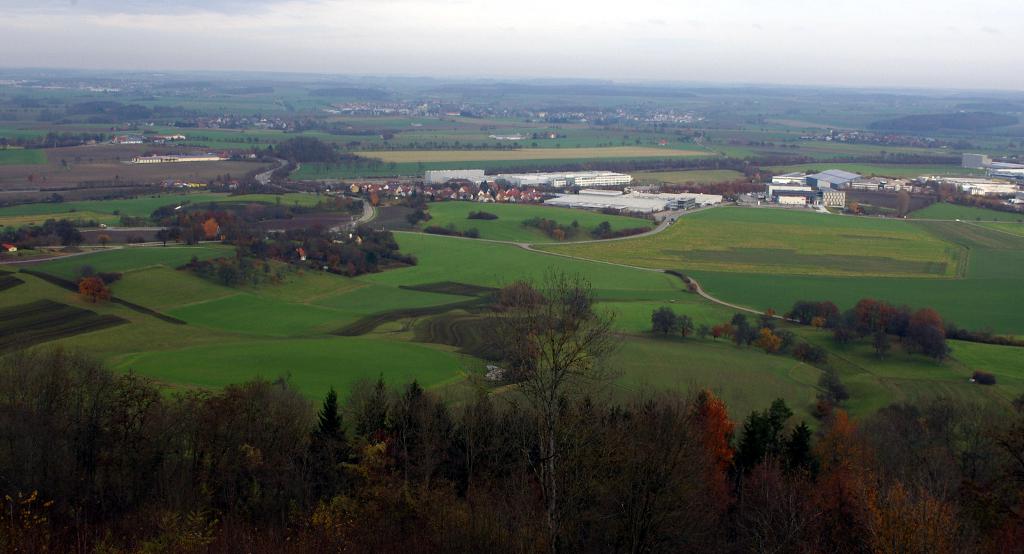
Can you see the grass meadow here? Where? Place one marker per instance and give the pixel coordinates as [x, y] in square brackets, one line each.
[942, 210]
[20, 156]
[110, 211]
[698, 176]
[509, 225]
[783, 242]
[285, 331]
[413, 156]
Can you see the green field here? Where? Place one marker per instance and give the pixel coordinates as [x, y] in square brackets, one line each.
[509, 225]
[851, 258]
[620, 152]
[942, 210]
[284, 331]
[697, 176]
[16, 156]
[132, 258]
[880, 170]
[777, 241]
[311, 365]
[109, 211]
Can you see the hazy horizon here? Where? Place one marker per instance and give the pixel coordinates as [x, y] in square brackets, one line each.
[792, 42]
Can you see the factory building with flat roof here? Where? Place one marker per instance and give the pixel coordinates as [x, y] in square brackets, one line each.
[637, 202]
[566, 179]
[442, 176]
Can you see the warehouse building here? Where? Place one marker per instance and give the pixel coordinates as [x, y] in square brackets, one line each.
[636, 202]
[442, 176]
[174, 158]
[831, 179]
[567, 179]
[796, 178]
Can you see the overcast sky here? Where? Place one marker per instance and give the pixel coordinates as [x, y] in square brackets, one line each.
[936, 43]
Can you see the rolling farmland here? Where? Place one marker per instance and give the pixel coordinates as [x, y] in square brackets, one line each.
[413, 156]
[781, 242]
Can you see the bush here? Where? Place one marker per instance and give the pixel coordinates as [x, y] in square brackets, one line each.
[983, 378]
[810, 353]
[482, 215]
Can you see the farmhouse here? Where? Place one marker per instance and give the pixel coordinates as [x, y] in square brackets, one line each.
[8, 247]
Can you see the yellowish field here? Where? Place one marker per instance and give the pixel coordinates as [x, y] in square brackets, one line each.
[414, 156]
[748, 240]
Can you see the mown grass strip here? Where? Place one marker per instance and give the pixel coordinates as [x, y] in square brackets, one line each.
[70, 285]
[41, 321]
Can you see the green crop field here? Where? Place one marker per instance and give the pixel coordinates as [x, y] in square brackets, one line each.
[692, 176]
[509, 225]
[312, 365]
[879, 170]
[284, 331]
[942, 210]
[778, 241]
[413, 156]
[1014, 228]
[132, 258]
[108, 211]
[17, 156]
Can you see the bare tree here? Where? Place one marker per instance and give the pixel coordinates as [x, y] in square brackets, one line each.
[555, 342]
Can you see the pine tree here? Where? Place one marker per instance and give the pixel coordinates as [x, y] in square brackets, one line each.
[329, 419]
[798, 448]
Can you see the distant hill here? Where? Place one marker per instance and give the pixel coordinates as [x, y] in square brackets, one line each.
[571, 89]
[351, 92]
[961, 121]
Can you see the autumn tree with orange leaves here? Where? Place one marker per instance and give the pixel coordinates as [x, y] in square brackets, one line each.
[93, 289]
[210, 228]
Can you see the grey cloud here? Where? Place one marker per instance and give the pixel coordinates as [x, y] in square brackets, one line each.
[132, 6]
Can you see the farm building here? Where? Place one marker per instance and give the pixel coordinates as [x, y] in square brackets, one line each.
[8, 247]
[571, 179]
[442, 176]
[833, 179]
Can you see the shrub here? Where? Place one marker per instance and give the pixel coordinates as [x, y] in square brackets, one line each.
[983, 378]
[810, 353]
[482, 215]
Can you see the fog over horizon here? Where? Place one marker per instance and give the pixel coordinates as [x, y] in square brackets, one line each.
[870, 43]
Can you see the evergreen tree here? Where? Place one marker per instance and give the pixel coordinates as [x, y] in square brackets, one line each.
[329, 419]
[798, 448]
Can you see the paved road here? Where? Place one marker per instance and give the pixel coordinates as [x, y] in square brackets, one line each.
[264, 178]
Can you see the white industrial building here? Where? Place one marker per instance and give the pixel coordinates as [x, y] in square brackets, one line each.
[638, 202]
[833, 178]
[174, 158]
[566, 179]
[442, 176]
[980, 186]
[796, 178]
